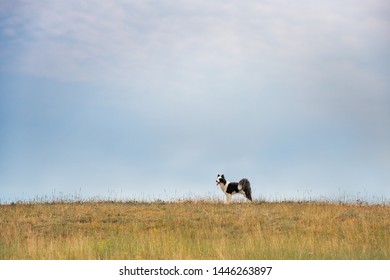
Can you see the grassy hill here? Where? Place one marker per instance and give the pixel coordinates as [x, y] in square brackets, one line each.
[194, 230]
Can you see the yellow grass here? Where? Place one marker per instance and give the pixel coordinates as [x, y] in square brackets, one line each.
[194, 230]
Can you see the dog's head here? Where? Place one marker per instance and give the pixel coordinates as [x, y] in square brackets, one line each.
[221, 180]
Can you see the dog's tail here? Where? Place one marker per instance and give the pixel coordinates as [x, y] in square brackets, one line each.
[246, 187]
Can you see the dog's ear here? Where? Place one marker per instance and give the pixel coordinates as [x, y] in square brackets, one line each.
[218, 175]
[223, 176]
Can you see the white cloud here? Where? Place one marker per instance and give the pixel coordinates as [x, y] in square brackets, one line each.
[132, 41]
[203, 51]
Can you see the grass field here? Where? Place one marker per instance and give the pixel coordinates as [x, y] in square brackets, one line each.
[194, 230]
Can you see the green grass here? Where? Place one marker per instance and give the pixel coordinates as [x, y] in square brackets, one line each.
[194, 230]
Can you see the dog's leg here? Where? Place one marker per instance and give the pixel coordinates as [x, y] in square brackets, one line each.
[228, 198]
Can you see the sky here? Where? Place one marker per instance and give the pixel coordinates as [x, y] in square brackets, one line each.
[153, 99]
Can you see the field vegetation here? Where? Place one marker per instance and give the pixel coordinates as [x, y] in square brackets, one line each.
[194, 230]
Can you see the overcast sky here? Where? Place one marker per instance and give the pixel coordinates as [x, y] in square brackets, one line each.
[153, 99]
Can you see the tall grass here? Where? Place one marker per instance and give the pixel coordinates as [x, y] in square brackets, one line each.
[194, 230]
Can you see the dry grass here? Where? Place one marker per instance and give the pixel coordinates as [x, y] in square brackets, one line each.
[194, 230]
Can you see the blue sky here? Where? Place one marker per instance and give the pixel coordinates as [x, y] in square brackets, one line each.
[153, 99]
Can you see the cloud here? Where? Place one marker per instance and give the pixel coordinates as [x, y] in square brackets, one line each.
[194, 48]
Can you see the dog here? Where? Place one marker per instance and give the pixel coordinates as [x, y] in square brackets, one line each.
[230, 188]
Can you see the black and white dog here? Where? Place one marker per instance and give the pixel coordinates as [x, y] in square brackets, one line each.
[230, 188]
